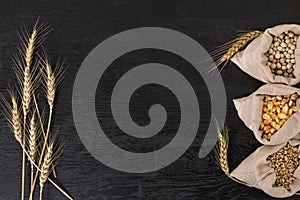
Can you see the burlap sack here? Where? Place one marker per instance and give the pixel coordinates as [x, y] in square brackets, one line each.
[255, 171]
[252, 59]
[250, 110]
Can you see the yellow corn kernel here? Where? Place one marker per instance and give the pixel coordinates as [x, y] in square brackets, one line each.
[285, 109]
[266, 116]
[270, 105]
[267, 128]
[276, 103]
[282, 122]
[282, 116]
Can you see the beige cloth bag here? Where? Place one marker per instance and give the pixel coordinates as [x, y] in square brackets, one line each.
[255, 171]
[252, 59]
[250, 109]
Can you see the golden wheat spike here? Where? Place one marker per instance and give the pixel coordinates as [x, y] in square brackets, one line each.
[47, 161]
[51, 85]
[16, 123]
[53, 151]
[231, 48]
[221, 151]
[27, 91]
[52, 77]
[33, 138]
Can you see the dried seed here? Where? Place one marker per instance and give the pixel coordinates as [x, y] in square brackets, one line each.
[285, 109]
[294, 96]
[281, 54]
[284, 167]
[266, 116]
[275, 112]
[270, 105]
[282, 116]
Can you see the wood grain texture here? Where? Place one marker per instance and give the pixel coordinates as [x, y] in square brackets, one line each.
[78, 27]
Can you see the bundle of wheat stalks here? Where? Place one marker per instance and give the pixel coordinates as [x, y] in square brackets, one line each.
[41, 148]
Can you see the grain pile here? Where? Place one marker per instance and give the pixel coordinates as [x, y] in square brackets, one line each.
[281, 55]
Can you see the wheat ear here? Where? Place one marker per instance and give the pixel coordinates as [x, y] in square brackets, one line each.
[46, 167]
[232, 47]
[16, 123]
[51, 155]
[32, 144]
[26, 91]
[52, 78]
[49, 179]
[221, 152]
[33, 138]
[11, 111]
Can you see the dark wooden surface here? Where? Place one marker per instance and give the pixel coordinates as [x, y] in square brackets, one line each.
[78, 27]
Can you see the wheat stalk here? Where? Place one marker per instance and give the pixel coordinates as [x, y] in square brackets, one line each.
[27, 89]
[232, 47]
[51, 81]
[25, 75]
[221, 152]
[28, 78]
[38, 169]
[49, 179]
[19, 136]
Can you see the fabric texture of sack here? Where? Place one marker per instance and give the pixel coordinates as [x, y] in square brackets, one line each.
[252, 59]
[256, 172]
[250, 111]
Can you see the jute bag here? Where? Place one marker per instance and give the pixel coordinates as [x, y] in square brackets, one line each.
[252, 59]
[250, 111]
[256, 172]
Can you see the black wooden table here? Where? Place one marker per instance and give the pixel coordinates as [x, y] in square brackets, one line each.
[78, 27]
